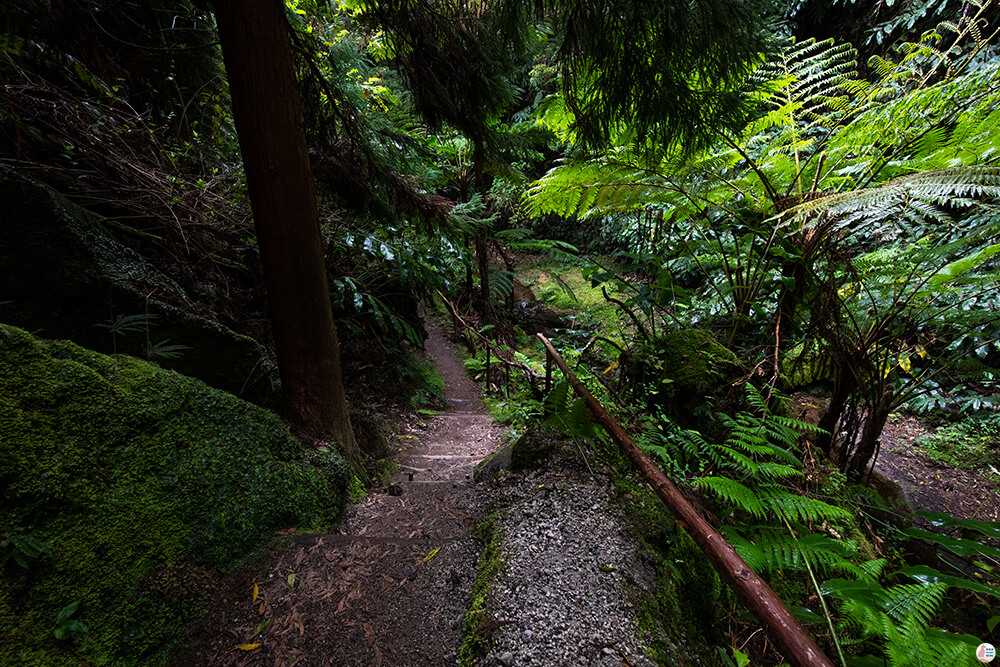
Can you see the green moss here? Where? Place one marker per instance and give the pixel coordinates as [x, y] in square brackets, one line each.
[423, 385]
[680, 617]
[534, 446]
[478, 636]
[684, 375]
[136, 477]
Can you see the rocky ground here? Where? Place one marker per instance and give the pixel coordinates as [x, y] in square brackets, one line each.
[571, 568]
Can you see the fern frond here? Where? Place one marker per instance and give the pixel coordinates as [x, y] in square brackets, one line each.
[776, 471]
[906, 645]
[949, 648]
[596, 188]
[802, 508]
[859, 208]
[781, 551]
[733, 492]
[558, 398]
[917, 601]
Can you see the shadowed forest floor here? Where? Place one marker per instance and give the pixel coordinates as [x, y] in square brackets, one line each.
[392, 587]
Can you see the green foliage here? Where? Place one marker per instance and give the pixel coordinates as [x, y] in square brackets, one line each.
[65, 624]
[681, 374]
[664, 77]
[23, 548]
[570, 417]
[139, 479]
[849, 213]
[757, 456]
[899, 616]
[972, 443]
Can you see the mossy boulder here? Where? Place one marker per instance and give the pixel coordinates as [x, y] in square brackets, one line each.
[682, 373]
[127, 488]
[493, 464]
[62, 275]
[536, 446]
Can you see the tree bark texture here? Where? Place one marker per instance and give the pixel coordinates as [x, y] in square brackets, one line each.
[268, 117]
[793, 641]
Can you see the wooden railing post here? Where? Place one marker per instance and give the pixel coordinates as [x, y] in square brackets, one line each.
[548, 370]
[791, 638]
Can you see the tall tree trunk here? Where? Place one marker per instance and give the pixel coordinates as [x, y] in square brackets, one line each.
[268, 117]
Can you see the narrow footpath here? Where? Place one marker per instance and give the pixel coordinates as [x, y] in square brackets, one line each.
[392, 587]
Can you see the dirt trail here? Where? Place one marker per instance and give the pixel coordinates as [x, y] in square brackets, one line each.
[392, 587]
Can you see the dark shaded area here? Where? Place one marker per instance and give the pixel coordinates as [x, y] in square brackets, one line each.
[62, 275]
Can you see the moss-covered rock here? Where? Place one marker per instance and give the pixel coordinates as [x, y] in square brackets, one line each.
[679, 373]
[125, 487]
[682, 616]
[537, 445]
[62, 275]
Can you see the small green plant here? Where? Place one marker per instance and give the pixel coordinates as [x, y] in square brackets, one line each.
[971, 443]
[356, 491]
[474, 365]
[121, 325]
[66, 624]
[22, 548]
[165, 350]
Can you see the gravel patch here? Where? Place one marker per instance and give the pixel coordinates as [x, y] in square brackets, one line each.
[571, 570]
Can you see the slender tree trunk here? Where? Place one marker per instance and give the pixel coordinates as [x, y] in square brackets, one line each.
[878, 414]
[484, 276]
[469, 287]
[268, 117]
[843, 385]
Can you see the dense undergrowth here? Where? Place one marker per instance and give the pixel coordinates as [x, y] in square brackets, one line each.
[841, 556]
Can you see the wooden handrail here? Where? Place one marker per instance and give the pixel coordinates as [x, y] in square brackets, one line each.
[792, 639]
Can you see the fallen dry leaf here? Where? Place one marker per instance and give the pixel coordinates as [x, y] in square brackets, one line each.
[246, 647]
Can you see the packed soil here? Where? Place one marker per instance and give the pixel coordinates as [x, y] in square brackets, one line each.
[391, 587]
[928, 484]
